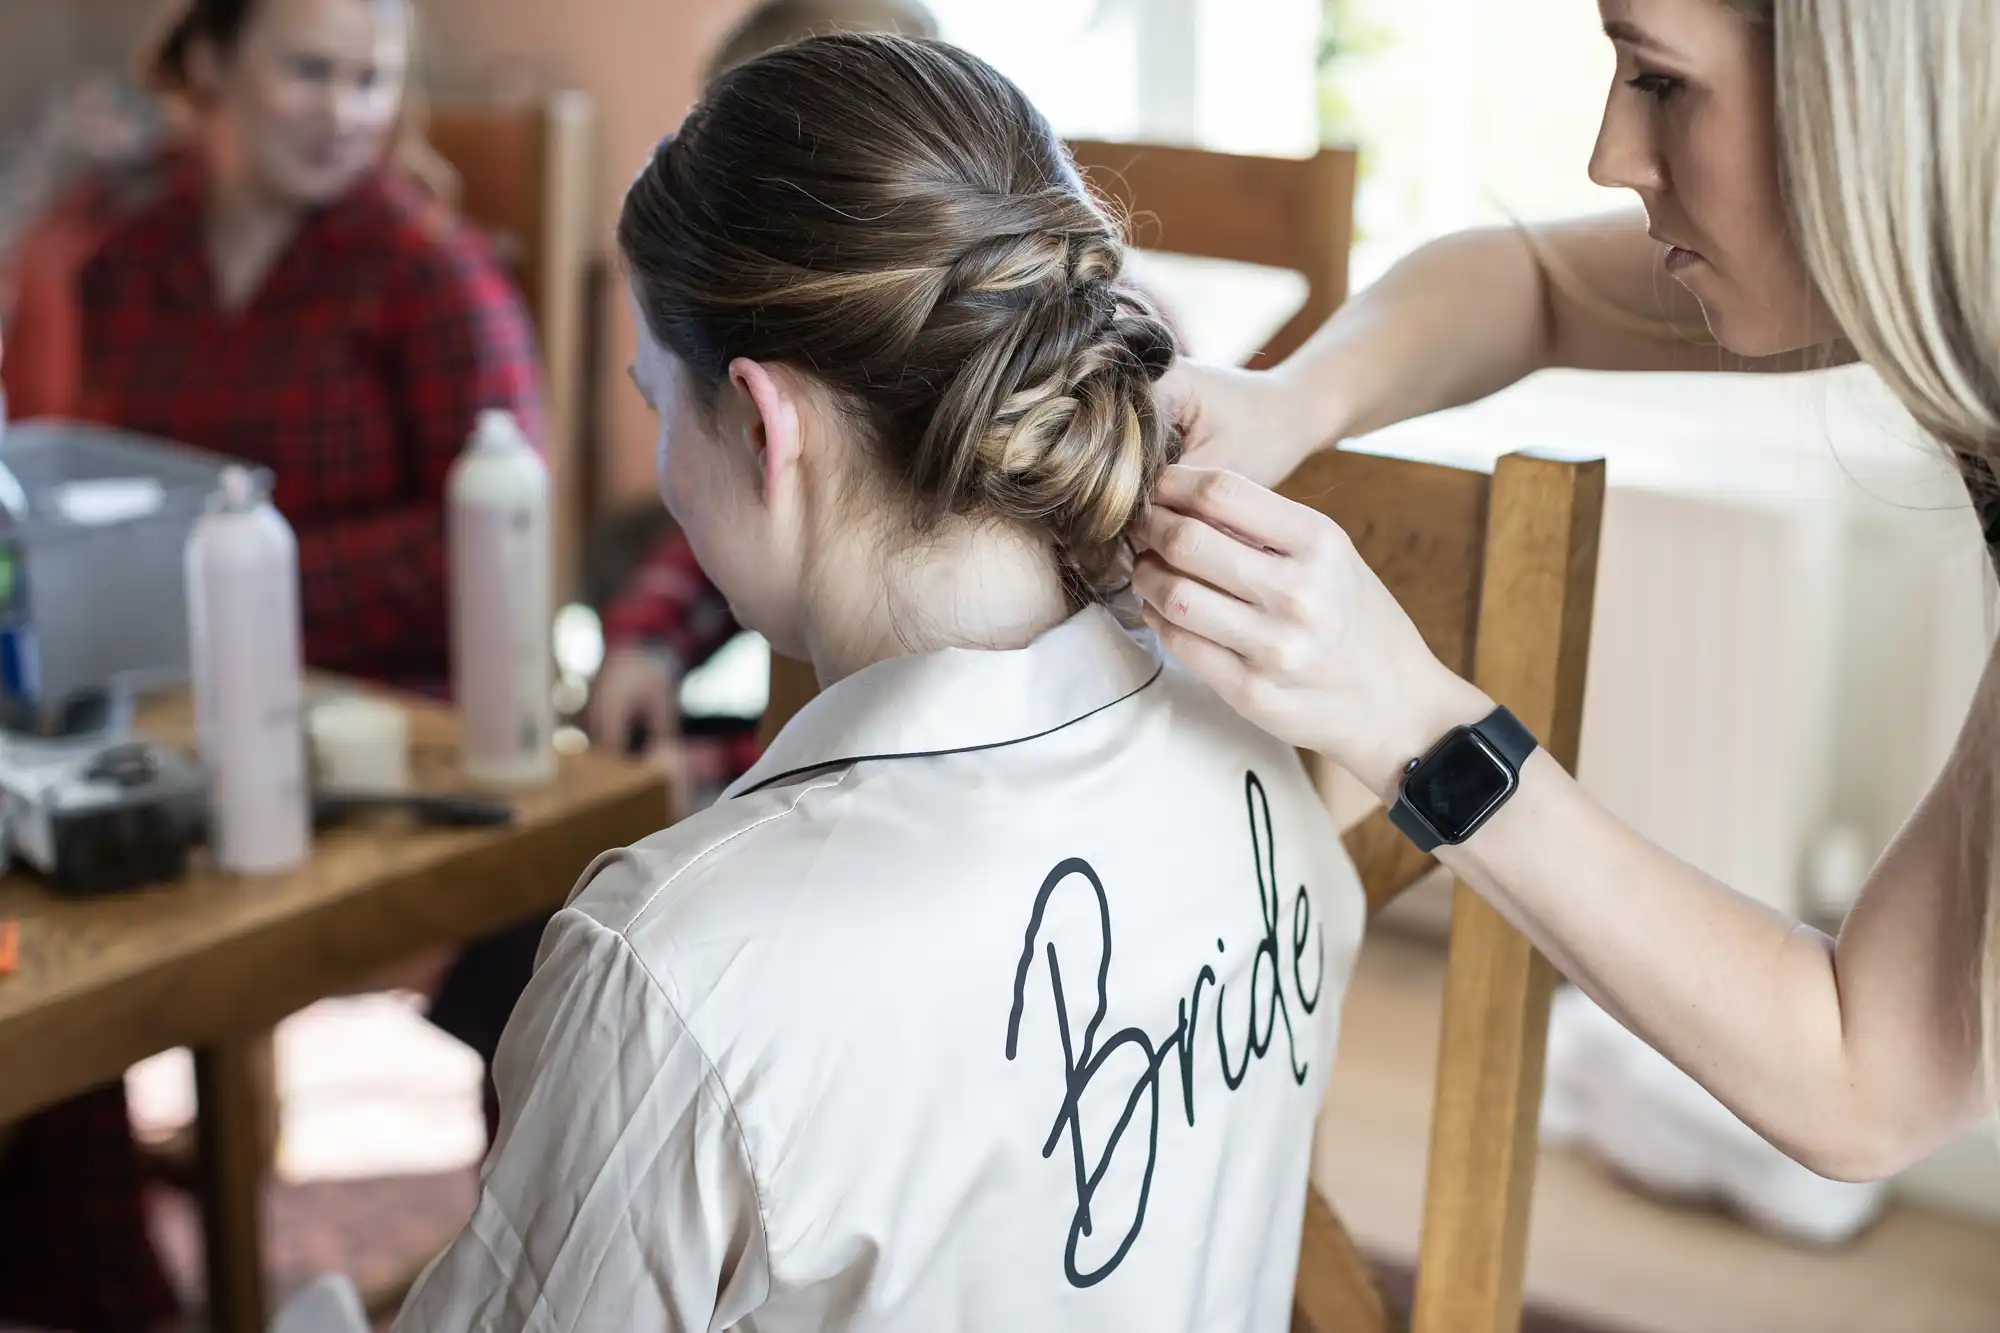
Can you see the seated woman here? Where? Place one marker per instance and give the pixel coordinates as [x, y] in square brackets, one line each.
[1002, 992]
[293, 297]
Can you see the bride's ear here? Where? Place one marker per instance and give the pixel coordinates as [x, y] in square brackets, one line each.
[773, 422]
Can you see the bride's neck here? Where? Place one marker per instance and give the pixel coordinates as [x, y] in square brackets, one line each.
[968, 586]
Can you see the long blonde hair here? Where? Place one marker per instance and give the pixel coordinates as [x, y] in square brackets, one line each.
[1889, 120]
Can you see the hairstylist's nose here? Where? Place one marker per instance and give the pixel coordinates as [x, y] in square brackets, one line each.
[1624, 156]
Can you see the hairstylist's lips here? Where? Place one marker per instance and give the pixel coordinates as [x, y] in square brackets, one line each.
[1678, 257]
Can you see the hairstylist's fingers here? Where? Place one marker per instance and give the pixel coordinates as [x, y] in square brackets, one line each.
[1218, 668]
[1239, 505]
[1218, 558]
[1192, 605]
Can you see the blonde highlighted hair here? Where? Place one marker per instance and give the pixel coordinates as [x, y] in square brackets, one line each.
[1889, 120]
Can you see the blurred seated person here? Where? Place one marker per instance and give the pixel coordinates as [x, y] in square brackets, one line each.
[93, 156]
[293, 296]
[287, 291]
[669, 619]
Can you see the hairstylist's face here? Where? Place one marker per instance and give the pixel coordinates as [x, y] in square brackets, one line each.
[306, 101]
[724, 476]
[1691, 127]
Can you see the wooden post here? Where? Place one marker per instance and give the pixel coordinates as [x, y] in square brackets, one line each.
[232, 1084]
[1530, 653]
[568, 179]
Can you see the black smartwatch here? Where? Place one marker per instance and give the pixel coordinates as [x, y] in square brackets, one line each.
[1451, 791]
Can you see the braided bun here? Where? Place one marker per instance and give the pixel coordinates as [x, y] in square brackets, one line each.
[923, 245]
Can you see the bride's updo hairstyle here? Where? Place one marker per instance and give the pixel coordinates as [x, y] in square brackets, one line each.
[893, 218]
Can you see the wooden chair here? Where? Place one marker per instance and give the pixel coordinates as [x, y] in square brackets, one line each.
[527, 177]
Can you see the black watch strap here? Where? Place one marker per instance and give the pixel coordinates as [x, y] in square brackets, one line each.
[1504, 732]
[1515, 745]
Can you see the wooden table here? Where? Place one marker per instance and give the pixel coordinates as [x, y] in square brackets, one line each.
[215, 961]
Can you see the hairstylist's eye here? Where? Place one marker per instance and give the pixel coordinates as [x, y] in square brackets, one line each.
[1659, 87]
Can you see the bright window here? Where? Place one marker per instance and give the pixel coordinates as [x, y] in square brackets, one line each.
[1466, 111]
[1230, 74]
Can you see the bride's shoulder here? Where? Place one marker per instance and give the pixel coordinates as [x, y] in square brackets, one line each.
[731, 846]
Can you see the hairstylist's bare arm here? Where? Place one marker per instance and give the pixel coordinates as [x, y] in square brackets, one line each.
[1458, 319]
[1856, 1058]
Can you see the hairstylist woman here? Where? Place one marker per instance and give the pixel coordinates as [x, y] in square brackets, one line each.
[1815, 174]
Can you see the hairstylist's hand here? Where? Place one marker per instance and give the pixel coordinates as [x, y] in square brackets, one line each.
[1250, 421]
[1268, 602]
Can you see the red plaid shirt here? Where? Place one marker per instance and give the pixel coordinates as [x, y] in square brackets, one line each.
[670, 607]
[356, 374]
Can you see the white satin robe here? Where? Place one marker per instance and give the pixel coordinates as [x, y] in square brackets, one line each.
[1000, 995]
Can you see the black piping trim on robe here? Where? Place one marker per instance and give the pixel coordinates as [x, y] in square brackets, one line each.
[848, 760]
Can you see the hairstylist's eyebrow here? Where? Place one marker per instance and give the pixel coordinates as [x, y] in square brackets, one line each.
[1620, 30]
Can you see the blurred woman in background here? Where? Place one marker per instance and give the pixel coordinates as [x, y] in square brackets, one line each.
[291, 298]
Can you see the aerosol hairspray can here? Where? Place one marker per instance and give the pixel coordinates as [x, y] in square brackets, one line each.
[243, 637]
[503, 670]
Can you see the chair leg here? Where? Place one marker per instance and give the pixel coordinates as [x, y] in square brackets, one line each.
[1483, 1128]
[176, 1160]
[1335, 1291]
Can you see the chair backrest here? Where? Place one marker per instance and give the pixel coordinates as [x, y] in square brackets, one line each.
[527, 179]
[1278, 212]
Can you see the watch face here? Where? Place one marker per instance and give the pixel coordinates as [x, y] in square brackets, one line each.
[1458, 785]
